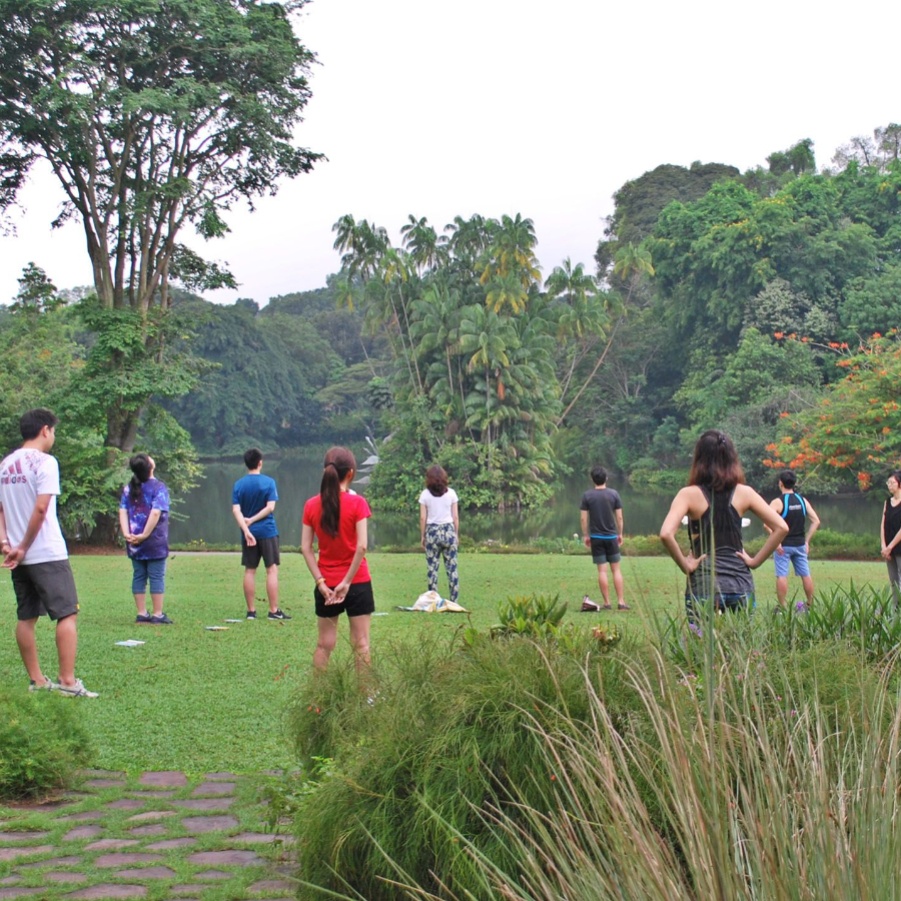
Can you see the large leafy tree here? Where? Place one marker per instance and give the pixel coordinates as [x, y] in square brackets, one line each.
[153, 115]
[853, 432]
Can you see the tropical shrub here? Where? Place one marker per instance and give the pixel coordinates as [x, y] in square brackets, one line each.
[42, 744]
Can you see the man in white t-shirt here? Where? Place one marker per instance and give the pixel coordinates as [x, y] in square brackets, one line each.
[33, 547]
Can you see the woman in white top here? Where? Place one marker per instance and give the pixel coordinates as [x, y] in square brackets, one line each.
[439, 525]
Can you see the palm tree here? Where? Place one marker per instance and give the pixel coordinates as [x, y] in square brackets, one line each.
[421, 242]
[630, 264]
[511, 255]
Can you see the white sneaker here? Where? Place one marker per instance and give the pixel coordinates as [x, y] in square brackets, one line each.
[77, 690]
[49, 685]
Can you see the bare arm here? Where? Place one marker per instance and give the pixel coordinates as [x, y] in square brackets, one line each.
[242, 525]
[423, 517]
[261, 514]
[619, 525]
[813, 520]
[123, 522]
[680, 507]
[4, 535]
[309, 556]
[456, 518]
[149, 526]
[15, 555]
[360, 552]
[749, 499]
[583, 519]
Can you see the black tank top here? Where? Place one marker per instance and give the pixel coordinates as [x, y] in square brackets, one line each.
[718, 534]
[794, 512]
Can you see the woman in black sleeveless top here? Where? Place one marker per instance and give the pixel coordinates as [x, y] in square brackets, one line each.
[891, 533]
[714, 501]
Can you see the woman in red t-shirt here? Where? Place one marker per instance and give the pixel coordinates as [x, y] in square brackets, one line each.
[337, 518]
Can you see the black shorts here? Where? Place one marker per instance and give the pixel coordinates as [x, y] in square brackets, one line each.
[45, 589]
[265, 548]
[605, 550]
[358, 602]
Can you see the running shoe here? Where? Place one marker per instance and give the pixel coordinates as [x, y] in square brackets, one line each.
[77, 690]
[278, 614]
[161, 620]
[251, 614]
[49, 685]
[143, 618]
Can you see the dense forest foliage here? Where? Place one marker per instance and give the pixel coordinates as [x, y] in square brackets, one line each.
[763, 302]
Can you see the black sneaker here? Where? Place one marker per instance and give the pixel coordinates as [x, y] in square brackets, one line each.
[143, 618]
[279, 614]
[161, 620]
[251, 614]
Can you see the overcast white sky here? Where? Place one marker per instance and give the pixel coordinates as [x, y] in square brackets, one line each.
[518, 106]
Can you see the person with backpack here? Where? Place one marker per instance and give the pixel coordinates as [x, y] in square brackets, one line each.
[802, 522]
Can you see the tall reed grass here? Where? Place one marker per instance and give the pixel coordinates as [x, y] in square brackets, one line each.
[517, 770]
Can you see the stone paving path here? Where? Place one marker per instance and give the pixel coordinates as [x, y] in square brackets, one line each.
[158, 836]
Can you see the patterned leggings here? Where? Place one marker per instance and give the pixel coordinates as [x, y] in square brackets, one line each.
[441, 539]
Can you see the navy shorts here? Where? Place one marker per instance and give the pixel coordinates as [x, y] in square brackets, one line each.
[605, 550]
[359, 601]
[265, 548]
[45, 589]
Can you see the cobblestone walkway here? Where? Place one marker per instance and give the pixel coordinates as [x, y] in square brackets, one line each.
[158, 836]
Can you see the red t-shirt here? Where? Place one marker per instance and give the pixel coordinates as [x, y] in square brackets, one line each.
[336, 552]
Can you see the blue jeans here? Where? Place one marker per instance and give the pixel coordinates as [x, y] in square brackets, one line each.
[152, 570]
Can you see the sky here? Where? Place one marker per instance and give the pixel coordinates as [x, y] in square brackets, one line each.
[516, 106]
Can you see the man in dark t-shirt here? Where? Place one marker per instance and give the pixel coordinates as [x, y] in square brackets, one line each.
[602, 531]
[802, 522]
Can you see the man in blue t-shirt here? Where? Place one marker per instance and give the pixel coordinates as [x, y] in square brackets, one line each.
[253, 505]
[602, 531]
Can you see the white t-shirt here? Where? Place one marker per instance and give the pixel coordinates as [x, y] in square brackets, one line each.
[438, 509]
[24, 474]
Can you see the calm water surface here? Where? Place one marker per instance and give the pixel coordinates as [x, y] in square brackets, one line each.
[206, 511]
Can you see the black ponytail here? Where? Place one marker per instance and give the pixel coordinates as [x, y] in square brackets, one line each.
[339, 461]
[141, 466]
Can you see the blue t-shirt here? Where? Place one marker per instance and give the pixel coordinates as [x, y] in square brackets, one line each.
[252, 493]
[154, 496]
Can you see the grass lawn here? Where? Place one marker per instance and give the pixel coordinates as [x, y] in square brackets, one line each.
[203, 701]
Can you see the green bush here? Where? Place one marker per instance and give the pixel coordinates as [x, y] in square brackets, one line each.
[451, 736]
[42, 744]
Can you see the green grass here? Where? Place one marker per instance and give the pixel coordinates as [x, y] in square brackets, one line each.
[204, 701]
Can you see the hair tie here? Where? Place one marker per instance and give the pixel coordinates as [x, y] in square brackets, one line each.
[332, 464]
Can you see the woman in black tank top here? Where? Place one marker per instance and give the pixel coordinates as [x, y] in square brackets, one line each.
[713, 502]
[891, 534]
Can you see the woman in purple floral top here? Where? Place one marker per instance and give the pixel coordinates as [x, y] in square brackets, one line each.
[144, 520]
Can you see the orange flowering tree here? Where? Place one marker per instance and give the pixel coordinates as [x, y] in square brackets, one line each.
[854, 431]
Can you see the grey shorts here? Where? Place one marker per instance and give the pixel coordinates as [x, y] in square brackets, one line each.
[605, 550]
[45, 589]
[265, 549]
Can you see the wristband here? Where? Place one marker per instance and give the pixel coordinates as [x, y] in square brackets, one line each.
[320, 581]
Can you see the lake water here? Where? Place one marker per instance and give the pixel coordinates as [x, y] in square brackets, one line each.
[207, 511]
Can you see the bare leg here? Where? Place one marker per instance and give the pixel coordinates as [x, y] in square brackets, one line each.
[250, 584]
[328, 635]
[359, 641]
[807, 582]
[781, 589]
[141, 604]
[272, 587]
[618, 583]
[602, 583]
[157, 601]
[66, 644]
[28, 648]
